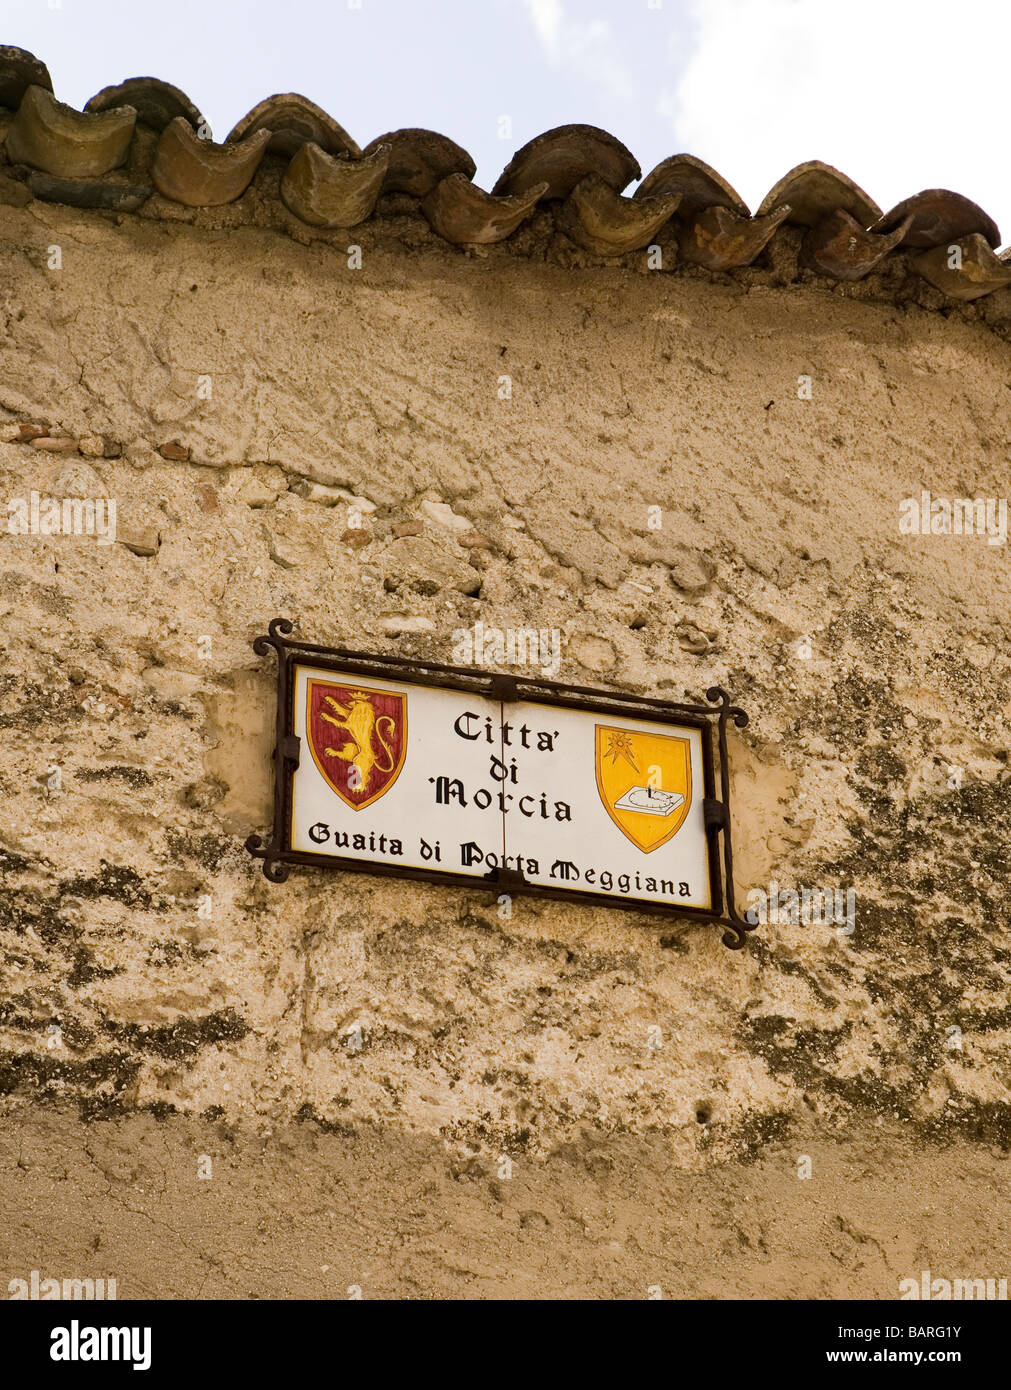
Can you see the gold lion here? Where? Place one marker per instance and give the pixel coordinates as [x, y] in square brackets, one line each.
[359, 722]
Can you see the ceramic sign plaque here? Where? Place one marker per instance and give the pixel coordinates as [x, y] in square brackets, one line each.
[421, 770]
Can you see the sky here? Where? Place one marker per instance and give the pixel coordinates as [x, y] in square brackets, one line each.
[899, 94]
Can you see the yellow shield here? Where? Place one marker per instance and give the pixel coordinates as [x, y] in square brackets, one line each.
[645, 783]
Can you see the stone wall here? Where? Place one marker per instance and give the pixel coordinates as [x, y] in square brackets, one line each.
[236, 393]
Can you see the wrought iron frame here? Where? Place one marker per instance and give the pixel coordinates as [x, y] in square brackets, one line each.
[278, 856]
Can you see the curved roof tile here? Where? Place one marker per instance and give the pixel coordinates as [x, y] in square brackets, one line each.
[563, 156]
[292, 119]
[89, 193]
[813, 190]
[939, 216]
[602, 221]
[156, 102]
[467, 216]
[70, 144]
[20, 70]
[721, 239]
[328, 192]
[698, 183]
[419, 159]
[976, 271]
[58, 154]
[841, 248]
[200, 173]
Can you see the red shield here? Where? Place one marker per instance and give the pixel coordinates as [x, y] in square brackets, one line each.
[357, 737]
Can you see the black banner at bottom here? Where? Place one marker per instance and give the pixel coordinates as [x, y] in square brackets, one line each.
[204, 1340]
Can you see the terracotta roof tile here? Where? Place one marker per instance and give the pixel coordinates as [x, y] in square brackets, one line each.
[465, 215]
[20, 70]
[976, 271]
[89, 193]
[841, 248]
[563, 156]
[813, 190]
[938, 216]
[156, 102]
[200, 173]
[292, 120]
[604, 222]
[45, 134]
[329, 192]
[419, 159]
[145, 134]
[721, 239]
[699, 185]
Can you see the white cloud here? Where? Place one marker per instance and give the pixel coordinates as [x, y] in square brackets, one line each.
[585, 47]
[899, 95]
[547, 18]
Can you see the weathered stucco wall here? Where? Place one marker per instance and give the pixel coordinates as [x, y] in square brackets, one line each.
[878, 763]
